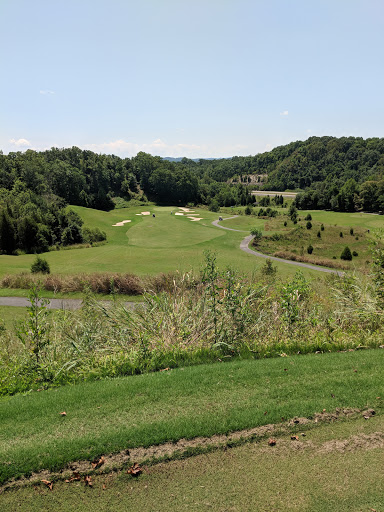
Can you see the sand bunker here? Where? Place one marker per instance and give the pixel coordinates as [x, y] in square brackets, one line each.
[121, 223]
[196, 218]
[145, 213]
[177, 213]
[186, 209]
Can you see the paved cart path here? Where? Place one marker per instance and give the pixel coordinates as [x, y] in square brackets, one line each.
[53, 303]
[247, 240]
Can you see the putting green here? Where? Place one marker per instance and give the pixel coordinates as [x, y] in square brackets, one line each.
[170, 231]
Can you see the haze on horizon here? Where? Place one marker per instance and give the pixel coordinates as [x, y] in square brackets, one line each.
[194, 78]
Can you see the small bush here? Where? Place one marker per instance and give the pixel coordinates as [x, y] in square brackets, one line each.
[268, 269]
[214, 206]
[309, 225]
[356, 237]
[285, 224]
[308, 217]
[341, 234]
[40, 265]
[319, 234]
[351, 231]
[355, 253]
[248, 210]
[346, 254]
[257, 234]
[309, 249]
[322, 227]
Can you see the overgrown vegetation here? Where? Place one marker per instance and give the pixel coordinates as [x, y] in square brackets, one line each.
[193, 319]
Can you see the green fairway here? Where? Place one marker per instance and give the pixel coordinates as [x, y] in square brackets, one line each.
[146, 245]
[169, 242]
[112, 415]
[11, 315]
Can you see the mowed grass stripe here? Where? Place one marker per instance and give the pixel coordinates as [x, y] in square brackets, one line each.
[110, 415]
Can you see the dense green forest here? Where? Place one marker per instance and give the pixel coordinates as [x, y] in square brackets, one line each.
[342, 174]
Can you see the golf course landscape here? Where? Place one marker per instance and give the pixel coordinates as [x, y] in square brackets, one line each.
[218, 393]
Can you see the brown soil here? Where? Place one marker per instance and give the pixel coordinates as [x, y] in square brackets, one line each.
[151, 454]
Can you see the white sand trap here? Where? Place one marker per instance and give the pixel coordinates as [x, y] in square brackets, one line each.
[177, 213]
[121, 223]
[196, 218]
[145, 213]
[187, 210]
[138, 214]
[192, 216]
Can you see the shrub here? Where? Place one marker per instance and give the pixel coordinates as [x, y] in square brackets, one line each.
[309, 225]
[214, 206]
[285, 224]
[248, 210]
[322, 227]
[355, 253]
[40, 265]
[257, 234]
[268, 269]
[351, 231]
[319, 234]
[341, 234]
[308, 217]
[309, 249]
[346, 254]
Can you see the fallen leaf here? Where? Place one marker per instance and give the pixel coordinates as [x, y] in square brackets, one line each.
[98, 462]
[332, 395]
[75, 477]
[355, 371]
[324, 410]
[165, 369]
[104, 487]
[134, 470]
[295, 438]
[266, 412]
[303, 434]
[48, 483]
[88, 481]
[63, 413]
[272, 442]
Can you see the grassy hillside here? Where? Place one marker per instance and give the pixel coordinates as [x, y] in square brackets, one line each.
[112, 415]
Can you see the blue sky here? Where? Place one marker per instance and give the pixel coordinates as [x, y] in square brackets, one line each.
[189, 77]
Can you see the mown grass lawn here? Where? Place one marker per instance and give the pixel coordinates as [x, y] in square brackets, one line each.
[336, 467]
[147, 245]
[111, 415]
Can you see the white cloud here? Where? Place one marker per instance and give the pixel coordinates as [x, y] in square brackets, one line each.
[46, 91]
[284, 113]
[21, 143]
[157, 147]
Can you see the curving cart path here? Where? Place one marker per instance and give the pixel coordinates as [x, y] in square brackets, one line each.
[247, 240]
[68, 304]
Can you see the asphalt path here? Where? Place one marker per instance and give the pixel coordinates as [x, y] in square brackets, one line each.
[247, 240]
[67, 304]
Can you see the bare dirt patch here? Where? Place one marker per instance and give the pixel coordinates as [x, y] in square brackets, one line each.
[186, 447]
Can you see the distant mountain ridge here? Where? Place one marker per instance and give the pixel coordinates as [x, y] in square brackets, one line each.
[180, 158]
